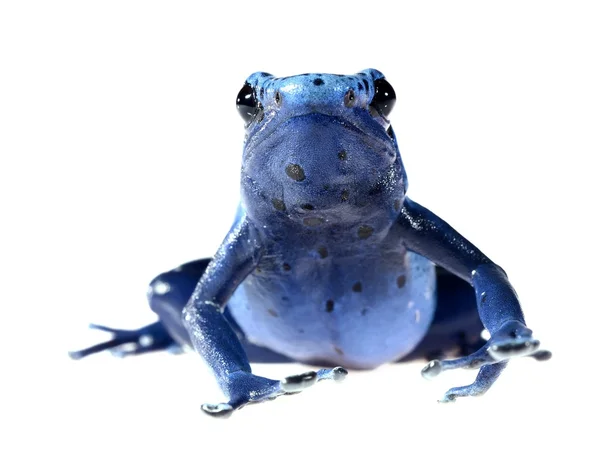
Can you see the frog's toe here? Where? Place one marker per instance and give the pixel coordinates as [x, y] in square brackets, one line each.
[123, 343]
[336, 374]
[432, 369]
[219, 410]
[297, 383]
[474, 361]
[541, 355]
[339, 373]
[512, 348]
[485, 378]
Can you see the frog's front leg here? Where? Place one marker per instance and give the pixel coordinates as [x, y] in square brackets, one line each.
[497, 303]
[215, 340]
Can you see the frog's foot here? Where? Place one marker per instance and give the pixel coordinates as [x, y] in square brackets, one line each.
[150, 338]
[245, 388]
[485, 378]
[512, 340]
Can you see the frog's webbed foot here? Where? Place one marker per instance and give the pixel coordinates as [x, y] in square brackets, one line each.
[123, 343]
[512, 340]
[247, 389]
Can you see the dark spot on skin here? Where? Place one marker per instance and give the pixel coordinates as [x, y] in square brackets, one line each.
[342, 155]
[377, 189]
[265, 74]
[401, 281]
[360, 87]
[323, 253]
[285, 299]
[301, 331]
[262, 92]
[357, 287]
[295, 172]
[345, 195]
[273, 313]
[366, 85]
[483, 297]
[318, 82]
[397, 204]
[278, 204]
[364, 231]
[363, 312]
[258, 270]
[338, 350]
[349, 99]
[329, 305]
[308, 207]
[326, 187]
[287, 267]
[313, 221]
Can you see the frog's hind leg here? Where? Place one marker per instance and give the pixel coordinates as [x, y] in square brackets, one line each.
[150, 338]
[456, 330]
[167, 295]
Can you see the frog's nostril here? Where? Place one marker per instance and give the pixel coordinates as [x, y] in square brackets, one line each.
[349, 99]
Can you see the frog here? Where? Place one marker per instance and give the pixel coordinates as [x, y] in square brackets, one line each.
[328, 262]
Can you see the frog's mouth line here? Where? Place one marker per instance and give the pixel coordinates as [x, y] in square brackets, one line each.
[256, 140]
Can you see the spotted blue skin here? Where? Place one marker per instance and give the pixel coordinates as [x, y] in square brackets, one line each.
[329, 262]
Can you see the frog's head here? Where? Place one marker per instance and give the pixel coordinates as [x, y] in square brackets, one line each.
[319, 148]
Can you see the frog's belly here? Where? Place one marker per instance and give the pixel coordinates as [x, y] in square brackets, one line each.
[358, 315]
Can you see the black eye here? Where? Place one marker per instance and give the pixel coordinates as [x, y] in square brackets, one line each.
[247, 105]
[384, 99]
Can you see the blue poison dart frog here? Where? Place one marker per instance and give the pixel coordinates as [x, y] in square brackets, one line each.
[328, 262]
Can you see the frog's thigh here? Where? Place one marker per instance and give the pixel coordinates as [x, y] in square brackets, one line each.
[456, 326]
[169, 293]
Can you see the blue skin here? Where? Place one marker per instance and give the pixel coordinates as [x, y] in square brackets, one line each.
[328, 262]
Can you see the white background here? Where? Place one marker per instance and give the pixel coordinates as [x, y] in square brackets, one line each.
[120, 153]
